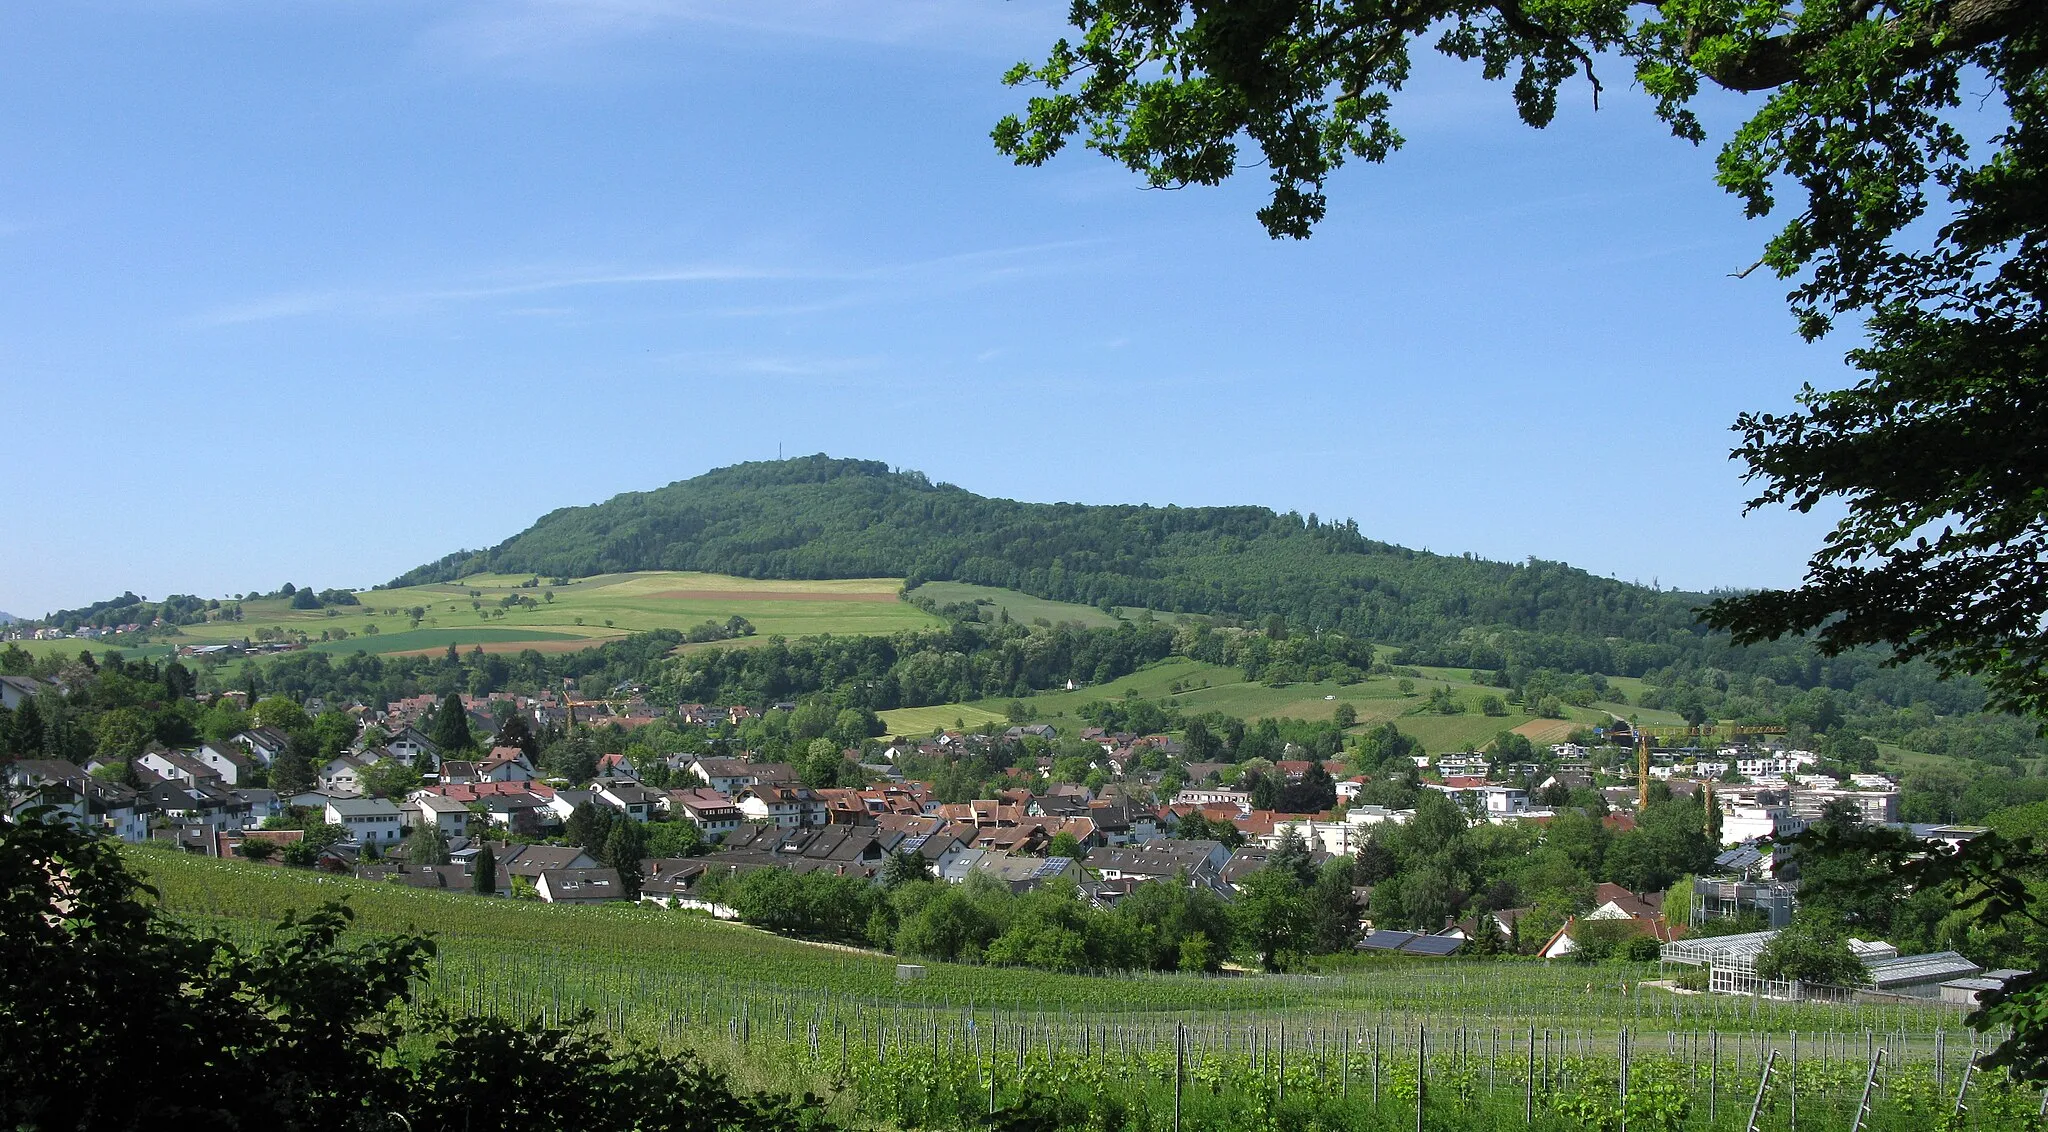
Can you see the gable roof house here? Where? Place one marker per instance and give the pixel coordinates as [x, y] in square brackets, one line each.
[55, 783]
[1017, 873]
[227, 760]
[200, 804]
[342, 777]
[726, 775]
[15, 689]
[519, 813]
[412, 747]
[839, 849]
[530, 861]
[629, 798]
[1163, 859]
[504, 764]
[713, 813]
[264, 744]
[428, 808]
[562, 805]
[579, 886]
[176, 766]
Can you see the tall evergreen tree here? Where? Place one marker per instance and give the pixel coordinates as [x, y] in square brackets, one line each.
[450, 728]
[623, 849]
[294, 769]
[483, 872]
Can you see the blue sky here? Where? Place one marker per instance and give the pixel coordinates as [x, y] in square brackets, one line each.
[315, 292]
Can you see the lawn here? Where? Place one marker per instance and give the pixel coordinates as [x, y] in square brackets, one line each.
[914, 722]
[70, 647]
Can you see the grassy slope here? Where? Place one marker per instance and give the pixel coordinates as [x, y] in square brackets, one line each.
[1021, 606]
[607, 607]
[1209, 687]
[645, 965]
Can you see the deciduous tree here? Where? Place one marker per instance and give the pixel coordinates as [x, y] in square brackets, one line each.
[1934, 244]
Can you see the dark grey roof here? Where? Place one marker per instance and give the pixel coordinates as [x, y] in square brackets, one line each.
[1432, 945]
[1384, 940]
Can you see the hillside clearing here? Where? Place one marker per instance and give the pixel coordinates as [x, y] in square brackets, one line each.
[511, 613]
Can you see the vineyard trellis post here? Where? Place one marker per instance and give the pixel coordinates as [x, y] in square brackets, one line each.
[1869, 1083]
[1793, 1112]
[1529, 1080]
[1621, 1077]
[1280, 1078]
[1763, 1083]
[1421, 1080]
[1180, 1052]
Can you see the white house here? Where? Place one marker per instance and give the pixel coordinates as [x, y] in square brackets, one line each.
[1742, 823]
[728, 776]
[1205, 796]
[785, 806]
[1463, 765]
[264, 744]
[1375, 815]
[369, 821]
[1337, 838]
[231, 762]
[629, 798]
[428, 808]
[711, 812]
[176, 766]
[342, 776]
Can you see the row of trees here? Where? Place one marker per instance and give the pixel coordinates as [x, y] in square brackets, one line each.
[1282, 912]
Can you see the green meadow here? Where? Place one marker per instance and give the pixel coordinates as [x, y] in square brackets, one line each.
[574, 615]
[1195, 687]
[1028, 610]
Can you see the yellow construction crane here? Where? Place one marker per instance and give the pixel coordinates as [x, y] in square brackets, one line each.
[1642, 771]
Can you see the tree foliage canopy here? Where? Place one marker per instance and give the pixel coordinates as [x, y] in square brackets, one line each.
[1933, 243]
[113, 1015]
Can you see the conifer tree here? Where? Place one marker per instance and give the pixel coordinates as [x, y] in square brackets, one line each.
[483, 877]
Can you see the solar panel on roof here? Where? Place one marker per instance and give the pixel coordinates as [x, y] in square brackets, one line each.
[1739, 858]
[1432, 945]
[1385, 940]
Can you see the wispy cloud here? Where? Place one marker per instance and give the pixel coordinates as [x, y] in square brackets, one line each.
[510, 31]
[736, 363]
[800, 288]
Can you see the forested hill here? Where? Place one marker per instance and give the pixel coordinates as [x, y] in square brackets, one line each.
[817, 517]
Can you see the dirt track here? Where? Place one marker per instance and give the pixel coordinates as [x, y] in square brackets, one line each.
[771, 595]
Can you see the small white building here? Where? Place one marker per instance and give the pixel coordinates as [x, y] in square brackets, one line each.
[1743, 823]
[428, 808]
[369, 821]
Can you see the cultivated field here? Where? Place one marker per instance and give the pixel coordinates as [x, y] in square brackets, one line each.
[563, 618]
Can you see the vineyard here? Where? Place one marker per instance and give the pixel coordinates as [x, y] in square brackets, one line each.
[1396, 1045]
